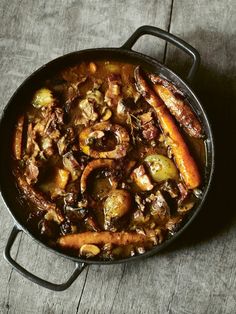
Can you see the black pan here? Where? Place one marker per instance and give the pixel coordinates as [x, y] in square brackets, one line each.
[20, 98]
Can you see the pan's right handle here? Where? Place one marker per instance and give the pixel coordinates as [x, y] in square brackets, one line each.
[79, 267]
[157, 32]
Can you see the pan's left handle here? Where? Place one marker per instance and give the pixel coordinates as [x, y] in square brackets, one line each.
[79, 267]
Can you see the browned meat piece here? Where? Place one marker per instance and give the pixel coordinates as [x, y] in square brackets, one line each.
[89, 108]
[54, 121]
[159, 208]
[184, 161]
[149, 130]
[88, 113]
[17, 144]
[93, 226]
[113, 93]
[75, 241]
[140, 202]
[141, 179]
[72, 91]
[72, 165]
[173, 224]
[75, 74]
[65, 141]
[31, 171]
[183, 192]
[170, 187]
[128, 88]
[185, 206]
[179, 108]
[49, 229]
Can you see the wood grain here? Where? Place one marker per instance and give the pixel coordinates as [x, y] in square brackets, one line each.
[197, 273]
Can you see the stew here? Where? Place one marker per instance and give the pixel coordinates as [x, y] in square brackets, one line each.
[108, 158]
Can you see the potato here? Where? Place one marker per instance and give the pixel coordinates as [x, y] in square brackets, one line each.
[112, 68]
[117, 204]
[161, 168]
[55, 183]
[61, 178]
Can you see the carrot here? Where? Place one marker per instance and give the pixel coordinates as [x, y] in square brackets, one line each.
[183, 159]
[177, 106]
[75, 241]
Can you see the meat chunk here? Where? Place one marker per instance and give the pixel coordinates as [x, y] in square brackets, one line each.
[31, 171]
[90, 108]
[159, 208]
[113, 93]
[183, 192]
[149, 130]
[141, 179]
[71, 164]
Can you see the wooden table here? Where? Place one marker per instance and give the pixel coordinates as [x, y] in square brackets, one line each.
[197, 274]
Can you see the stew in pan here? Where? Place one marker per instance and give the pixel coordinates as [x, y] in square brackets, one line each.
[109, 159]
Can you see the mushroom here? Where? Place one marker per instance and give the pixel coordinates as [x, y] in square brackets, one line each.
[120, 133]
[89, 250]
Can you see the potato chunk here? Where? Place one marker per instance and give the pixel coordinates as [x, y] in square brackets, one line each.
[61, 178]
[117, 204]
[161, 168]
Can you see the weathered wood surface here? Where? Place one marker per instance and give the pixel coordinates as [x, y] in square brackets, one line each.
[197, 274]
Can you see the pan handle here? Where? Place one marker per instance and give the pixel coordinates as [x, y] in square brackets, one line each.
[157, 32]
[79, 267]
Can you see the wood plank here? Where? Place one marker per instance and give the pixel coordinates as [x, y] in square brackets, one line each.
[197, 273]
[210, 28]
[33, 33]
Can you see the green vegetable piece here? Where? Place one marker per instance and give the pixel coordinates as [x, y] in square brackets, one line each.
[161, 168]
[42, 98]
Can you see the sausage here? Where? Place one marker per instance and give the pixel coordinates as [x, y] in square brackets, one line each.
[36, 197]
[178, 108]
[75, 241]
[184, 161]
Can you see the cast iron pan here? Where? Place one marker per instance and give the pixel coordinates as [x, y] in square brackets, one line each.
[21, 97]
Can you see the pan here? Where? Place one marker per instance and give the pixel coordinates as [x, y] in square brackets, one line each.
[125, 53]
